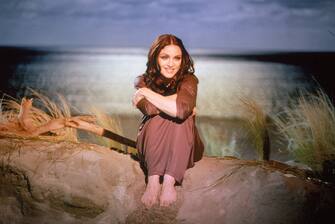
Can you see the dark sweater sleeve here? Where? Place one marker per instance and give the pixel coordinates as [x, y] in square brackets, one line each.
[186, 97]
[144, 105]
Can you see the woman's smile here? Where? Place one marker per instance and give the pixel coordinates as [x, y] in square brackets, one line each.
[170, 71]
[169, 60]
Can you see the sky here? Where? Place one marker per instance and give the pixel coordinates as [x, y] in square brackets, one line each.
[212, 24]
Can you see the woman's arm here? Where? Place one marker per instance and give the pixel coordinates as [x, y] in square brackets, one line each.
[180, 105]
[166, 104]
[140, 102]
[187, 96]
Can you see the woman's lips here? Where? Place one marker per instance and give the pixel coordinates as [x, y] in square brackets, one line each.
[169, 70]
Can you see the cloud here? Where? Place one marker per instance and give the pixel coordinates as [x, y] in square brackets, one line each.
[296, 4]
[298, 8]
[102, 9]
[201, 22]
[171, 10]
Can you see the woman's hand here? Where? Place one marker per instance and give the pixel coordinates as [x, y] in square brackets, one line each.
[138, 96]
[194, 111]
[166, 104]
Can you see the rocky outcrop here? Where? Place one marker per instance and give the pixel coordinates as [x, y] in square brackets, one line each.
[62, 182]
[66, 183]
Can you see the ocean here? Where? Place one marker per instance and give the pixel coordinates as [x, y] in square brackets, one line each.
[104, 77]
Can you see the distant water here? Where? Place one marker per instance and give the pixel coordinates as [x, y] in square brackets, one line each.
[104, 77]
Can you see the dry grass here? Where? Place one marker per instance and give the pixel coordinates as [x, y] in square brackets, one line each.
[309, 128]
[256, 120]
[44, 110]
[10, 108]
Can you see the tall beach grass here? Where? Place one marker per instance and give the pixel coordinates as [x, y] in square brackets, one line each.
[47, 110]
[308, 126]
[44, 109]
[257, 124]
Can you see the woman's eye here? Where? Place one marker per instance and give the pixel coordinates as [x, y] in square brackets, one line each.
[164, 57]
[177, 58]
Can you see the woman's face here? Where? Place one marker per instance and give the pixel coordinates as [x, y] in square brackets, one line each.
[169, 60]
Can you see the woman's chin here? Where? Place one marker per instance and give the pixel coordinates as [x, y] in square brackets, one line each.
[168, 75]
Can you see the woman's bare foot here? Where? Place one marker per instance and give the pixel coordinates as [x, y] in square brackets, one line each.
[152, 190]
[169, 193]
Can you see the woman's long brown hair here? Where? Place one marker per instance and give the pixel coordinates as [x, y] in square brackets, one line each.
[162, 41]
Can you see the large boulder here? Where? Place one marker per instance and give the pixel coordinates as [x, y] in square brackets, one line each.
[63, 182]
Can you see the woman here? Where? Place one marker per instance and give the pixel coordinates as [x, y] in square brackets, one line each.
[168, 141]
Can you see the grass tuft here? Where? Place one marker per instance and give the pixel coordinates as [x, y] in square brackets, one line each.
[257, 125]
[10, 108]
[309, 128]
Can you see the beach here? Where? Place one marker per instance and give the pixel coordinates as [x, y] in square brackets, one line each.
[102, 78]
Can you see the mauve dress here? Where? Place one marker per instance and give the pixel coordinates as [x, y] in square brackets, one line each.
[169, 145]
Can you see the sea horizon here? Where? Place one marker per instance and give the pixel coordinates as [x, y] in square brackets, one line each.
[104, 77]
[198, 51]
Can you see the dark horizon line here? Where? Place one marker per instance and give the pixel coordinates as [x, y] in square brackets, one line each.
[217, 51]
[313, 58]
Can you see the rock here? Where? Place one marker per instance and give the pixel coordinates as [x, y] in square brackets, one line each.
[298, 165]
[63, 182]
[66, 182]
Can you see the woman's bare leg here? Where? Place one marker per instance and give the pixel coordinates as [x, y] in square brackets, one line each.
[169, 193]
[152, 190]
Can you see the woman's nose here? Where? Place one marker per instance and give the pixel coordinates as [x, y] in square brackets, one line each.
[170, 62]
